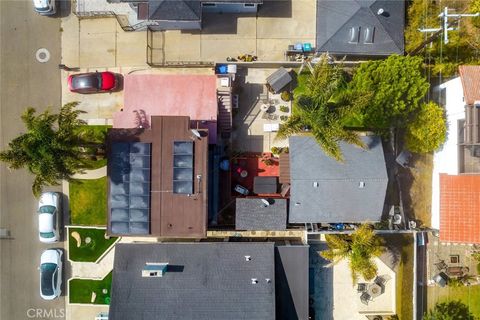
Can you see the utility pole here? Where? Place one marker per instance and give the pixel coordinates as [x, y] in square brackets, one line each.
[446, 26]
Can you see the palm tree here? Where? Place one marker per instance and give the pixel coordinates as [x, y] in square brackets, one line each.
[359, 249]
[321, 111]
[52, 148]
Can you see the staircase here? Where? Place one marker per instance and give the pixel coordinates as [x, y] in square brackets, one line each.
[224, 98]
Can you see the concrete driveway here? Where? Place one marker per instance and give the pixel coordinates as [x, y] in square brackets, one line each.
[24, 82]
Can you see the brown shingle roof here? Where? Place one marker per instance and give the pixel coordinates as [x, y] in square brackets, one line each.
[460, 208]
[470, 76]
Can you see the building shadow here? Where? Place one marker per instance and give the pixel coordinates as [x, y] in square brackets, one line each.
[275, 8]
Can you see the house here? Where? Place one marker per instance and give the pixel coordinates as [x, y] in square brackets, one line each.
[460, 154]
[158, 179]
[460, 208]
[218, 280]
[185, 14]
[324, 190]
[360, 27]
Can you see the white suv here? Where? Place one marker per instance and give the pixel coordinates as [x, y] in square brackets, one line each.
[45, 7]
[49, 211]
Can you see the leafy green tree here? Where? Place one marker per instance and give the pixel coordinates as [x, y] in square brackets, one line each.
[359, 249]
[451, 310]
[321, 109]
[428, 131]
[397, 86]
[52, 148]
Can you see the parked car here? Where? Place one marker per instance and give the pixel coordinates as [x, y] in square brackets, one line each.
[51, 274]
[49, 212]
[45, 7]
[241, 189]
[93, 82]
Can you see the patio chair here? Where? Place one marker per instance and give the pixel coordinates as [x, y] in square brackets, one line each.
[380, 280]
[361, 287]
[441, 266]
[364, 298]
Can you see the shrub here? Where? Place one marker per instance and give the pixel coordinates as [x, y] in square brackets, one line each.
[286, 96]
[284, 108]
[284, 118]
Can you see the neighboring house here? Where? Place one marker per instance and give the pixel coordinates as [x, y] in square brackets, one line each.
[209, 281]
[362, 299]
[158, 180]
[324, 190]
[360, 27]
[185, 14]
[460, 209]
[460, 154]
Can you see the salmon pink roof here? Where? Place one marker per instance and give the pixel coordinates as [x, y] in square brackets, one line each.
[470, 76]
[460, 208]
[194, 96]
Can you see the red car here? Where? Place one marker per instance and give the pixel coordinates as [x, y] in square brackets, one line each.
[93, 82]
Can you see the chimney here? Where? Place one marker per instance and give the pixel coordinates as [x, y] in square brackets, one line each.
[154, 269]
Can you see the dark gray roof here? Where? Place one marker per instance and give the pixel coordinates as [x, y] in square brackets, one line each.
[279, 79]
[203, 281]
[328, 191]
[265, 185]
[252, 214]
[336, 20]
[175, 10]
[291, 275]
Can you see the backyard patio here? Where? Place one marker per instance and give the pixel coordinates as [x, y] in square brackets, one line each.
[259, 115]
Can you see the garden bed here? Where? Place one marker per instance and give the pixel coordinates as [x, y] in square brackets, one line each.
[92, 244]
[88, 202]
[80, 290]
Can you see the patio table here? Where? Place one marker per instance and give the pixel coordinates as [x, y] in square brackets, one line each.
[374, 290]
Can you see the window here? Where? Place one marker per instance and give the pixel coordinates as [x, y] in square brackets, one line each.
[249, 5]
[455, 259]
[209, 4]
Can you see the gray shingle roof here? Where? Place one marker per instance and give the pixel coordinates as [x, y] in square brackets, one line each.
[335, 20]
[252, 214]
[174, 10]
[279, 79]
[204, 281]
[324, 190]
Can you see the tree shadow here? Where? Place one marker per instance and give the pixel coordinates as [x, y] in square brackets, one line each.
[450, 310]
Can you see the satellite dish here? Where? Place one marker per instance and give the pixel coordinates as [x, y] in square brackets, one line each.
[196, 133]
[265, 202]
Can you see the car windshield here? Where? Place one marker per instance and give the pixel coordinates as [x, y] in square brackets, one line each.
[46, 209]
[47, 234]
[47, 278]
[87, 81]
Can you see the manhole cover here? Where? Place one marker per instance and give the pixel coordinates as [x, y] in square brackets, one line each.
[42, 55]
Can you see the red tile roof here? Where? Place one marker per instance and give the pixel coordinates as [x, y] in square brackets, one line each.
[470, 76]
[460, 208]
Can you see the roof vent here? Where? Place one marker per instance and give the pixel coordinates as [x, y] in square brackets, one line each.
[154, 269]
[297, 204]
[354, 34]
[248, 258]
[380, 11]
[315, 184]
[254, 280]
[361, 184]
[268, 280]
[369, 34]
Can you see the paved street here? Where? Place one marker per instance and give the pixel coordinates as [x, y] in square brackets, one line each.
[24, 82]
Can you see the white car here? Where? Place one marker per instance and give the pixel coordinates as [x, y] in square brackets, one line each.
[45, 7]
[51, 274]
[49, 211]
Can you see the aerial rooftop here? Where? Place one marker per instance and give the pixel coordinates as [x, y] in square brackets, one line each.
[324, 190]
[211, 281]
[164, 186]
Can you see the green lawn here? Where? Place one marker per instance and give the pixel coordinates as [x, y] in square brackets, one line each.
[469, 295]
[95, 134]
[88, 202]
[80, 290]
[88, 252]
